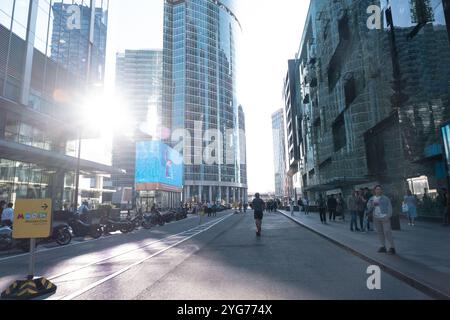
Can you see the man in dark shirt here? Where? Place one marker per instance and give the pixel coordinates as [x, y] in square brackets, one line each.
[332, 204]
[258, 207]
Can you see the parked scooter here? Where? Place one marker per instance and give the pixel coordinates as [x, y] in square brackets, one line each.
[7, 242]
[83, 229]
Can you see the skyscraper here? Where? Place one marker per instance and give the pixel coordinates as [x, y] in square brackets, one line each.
[279, 151]
[139, 82]
[72, 43]
[40, 98]
[200, 92]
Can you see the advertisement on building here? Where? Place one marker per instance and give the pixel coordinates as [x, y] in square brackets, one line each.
[158, 167]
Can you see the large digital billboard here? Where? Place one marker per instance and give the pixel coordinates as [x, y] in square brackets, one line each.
[158, 167]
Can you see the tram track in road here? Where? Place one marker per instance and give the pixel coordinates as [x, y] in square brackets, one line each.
[133, 258]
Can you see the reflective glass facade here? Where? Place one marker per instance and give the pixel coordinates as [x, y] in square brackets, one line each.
[139, 81]
[373, 99]
[200, 85]
[279, 149]
[46, 52]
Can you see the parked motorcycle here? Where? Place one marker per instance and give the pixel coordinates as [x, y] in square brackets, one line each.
[168, 216]
[153, 219]
[61, 234]
[110, 225]
[83, 229]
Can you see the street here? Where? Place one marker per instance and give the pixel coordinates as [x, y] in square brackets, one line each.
[221, 259]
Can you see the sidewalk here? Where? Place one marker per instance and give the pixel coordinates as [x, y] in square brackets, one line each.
[423, 251]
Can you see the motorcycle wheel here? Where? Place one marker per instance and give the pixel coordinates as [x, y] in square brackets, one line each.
[96, 232]
[125, 230]
[63, 238]
[131, 227]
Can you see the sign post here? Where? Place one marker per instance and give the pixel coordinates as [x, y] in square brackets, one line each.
[32, 220]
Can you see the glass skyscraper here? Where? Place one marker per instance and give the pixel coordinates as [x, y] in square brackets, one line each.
[279, 149]
[42, 83]
[139, 82]
[201, 40]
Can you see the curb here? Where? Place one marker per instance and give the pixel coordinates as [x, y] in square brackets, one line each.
[419, 285]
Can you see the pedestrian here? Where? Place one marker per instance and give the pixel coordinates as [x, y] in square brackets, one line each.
[300, 205]
[340, 208]
[332, 205]
[362, 205]
[8, 215]
[322, 209]
[381, 207]
[369, 216]
[352, 203]
[410, 207]
[444, 202]
[2, 206]
[258, 208]
[306, 205]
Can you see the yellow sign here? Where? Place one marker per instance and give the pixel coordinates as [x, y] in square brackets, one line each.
[32, 219]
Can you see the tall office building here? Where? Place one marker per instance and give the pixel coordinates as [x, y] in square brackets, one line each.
[279, 148]
[139, 83]
[293, 118]
[70, 44]
[39, 101]
[201, 40]
[374, 98]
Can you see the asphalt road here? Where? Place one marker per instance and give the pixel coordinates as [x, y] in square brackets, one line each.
[221, 259]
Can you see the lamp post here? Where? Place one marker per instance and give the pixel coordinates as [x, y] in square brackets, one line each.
[77, 172]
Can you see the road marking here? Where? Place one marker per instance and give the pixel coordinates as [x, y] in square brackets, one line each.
[76, 243]
[202, 228]
[118, 255]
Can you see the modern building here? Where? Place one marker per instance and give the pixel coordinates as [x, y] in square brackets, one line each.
[39, 104]
[139, 83]
[70, 45]
[201, 52]
[293, 125]
[279, 152]
[374, 97]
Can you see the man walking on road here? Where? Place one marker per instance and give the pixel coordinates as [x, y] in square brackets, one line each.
[258, 207]
[381, 207]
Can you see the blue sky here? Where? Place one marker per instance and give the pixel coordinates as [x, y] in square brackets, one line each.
[271, 36]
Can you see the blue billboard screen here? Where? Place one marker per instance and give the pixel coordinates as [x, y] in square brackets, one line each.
[157, 163]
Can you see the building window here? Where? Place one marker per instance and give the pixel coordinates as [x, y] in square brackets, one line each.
[339, 134]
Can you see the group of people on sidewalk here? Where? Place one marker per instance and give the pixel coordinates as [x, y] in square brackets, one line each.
[366, 208]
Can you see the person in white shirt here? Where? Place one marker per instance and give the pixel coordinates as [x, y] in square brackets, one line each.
[8, 215]
[381, 207]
